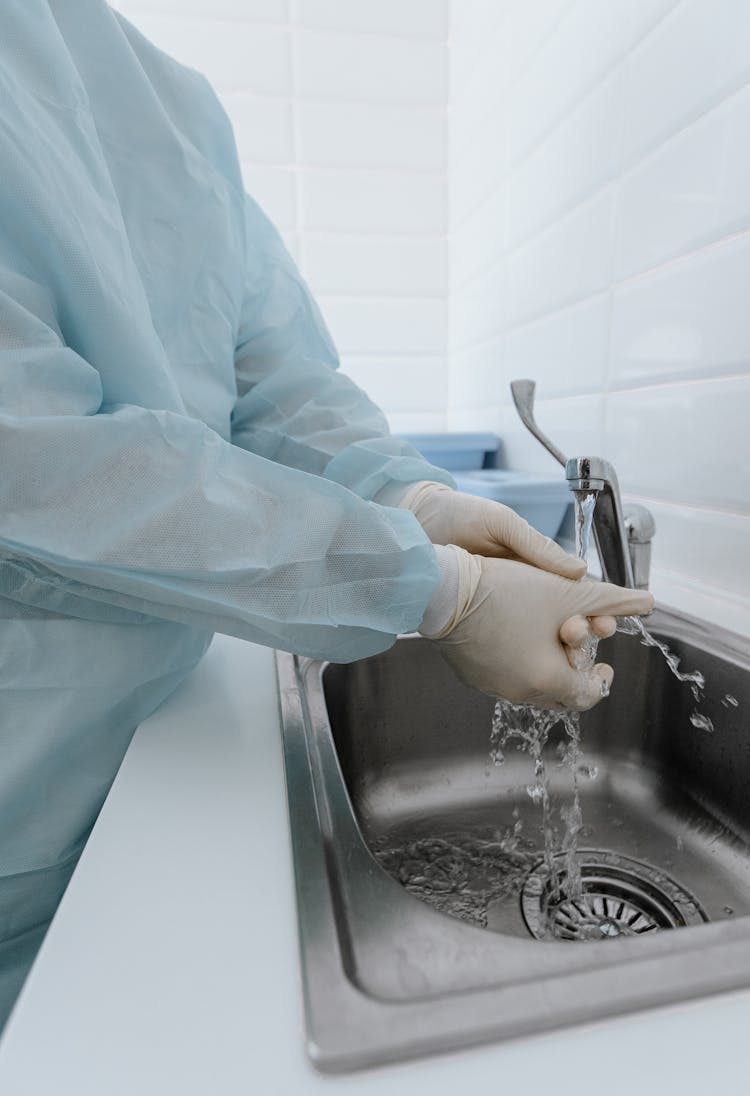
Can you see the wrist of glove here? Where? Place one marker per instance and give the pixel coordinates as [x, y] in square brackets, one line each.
[509, 632]
[485, 528]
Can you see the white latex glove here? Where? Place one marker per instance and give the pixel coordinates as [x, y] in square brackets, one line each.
[505, 635]
[485, 528]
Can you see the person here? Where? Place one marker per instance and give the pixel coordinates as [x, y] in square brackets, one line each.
[181, 455]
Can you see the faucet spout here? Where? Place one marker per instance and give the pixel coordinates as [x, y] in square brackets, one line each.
[587, 475]
[623, 537]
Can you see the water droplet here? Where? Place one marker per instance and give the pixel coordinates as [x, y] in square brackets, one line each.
[609, 928]
[730, 701]
[629, 625]
[729, 910]
[591, 771]
[702, 722]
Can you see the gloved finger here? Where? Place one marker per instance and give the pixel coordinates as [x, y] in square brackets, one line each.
[578, 642]
[575, 631]
[603, 599]
[578, 691]
[603, 675]
[531, 546]
[578, 658]
[603, 626]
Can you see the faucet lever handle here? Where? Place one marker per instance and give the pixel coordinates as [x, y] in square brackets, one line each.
[523, 397]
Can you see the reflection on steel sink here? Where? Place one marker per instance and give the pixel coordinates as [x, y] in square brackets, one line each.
[387, 763]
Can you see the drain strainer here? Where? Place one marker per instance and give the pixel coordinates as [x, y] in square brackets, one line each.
[619, 896]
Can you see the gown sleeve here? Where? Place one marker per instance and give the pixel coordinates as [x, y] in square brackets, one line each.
[116, 510]
[294, 406]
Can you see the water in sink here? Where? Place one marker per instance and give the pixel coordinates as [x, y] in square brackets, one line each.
[463, 873]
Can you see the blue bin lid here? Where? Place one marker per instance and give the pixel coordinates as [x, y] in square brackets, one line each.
[487, 443]
[492, 482]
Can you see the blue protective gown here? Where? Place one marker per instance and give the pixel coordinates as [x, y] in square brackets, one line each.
[179, 454]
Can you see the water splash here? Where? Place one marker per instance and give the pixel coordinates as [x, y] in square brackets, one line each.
[461, 874]
[572, 816]
[702, 722]
[631, 625]
[527, 728]
[694, 678]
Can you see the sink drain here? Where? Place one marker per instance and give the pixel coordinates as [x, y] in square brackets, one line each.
[619, 897]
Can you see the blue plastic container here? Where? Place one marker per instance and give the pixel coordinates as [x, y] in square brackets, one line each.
[456, 452]
[542, 501]
[471, 457]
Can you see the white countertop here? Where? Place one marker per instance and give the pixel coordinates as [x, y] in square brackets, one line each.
[171, 966]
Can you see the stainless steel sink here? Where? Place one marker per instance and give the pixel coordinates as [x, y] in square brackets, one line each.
[421, 883]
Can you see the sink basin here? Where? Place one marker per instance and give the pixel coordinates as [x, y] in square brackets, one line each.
[429, 918]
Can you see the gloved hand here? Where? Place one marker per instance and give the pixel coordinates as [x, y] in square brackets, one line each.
[505, 635]
[485, 528]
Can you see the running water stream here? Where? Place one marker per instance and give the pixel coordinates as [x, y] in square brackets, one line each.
[528, 728]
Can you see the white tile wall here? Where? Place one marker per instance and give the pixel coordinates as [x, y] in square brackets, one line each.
[684, 442]
[693, 59]
[339, 111]
[474, 248]
[479, 309]
[687, 319]
[530, 25]
[469, 24]
[271, 10]
[231, 60]
[369, 69]
[567, 262]
[479, 375]
[420, 383]
[582, 47]
[398, 326]
[579, 155]
[692, 190]
[572, 191]
[565, 351]
[687, 539]
[376, 263]
[333, 134]
[424, 19]
[350, 200]
[616, 204]
[263, 129]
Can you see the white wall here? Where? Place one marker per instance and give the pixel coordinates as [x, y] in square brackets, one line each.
[339, 109]
[600, 243]
[595, 156]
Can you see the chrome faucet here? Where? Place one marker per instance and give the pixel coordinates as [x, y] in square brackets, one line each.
[622, 535]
